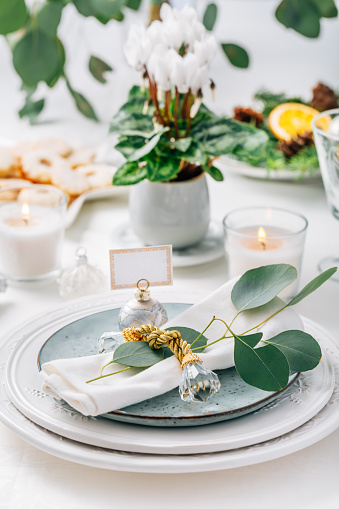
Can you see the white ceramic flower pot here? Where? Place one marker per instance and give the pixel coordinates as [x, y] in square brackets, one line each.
[174, 213]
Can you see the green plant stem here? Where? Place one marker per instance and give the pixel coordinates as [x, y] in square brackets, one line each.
[167, 105]
[264, 321]
[196, 339]
[153, 94]
[175, 115]
[110, 374]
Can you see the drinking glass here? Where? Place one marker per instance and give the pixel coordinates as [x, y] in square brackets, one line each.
[326, 137]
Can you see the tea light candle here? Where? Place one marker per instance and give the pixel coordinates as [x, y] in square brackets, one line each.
[31, 234]
[263, 236]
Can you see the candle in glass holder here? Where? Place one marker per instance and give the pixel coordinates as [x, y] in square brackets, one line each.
[263, 236]
[31, 231]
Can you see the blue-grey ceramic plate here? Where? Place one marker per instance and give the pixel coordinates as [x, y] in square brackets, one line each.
[234, 399]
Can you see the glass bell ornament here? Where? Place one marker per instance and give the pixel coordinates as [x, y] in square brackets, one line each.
[197, 383]
[142, 309]
[81, 278]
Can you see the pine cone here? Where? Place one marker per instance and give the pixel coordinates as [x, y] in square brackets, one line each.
[292, 147]
[248, 116]
[323, 98]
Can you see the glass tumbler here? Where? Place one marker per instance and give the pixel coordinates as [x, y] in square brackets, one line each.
[326, 137]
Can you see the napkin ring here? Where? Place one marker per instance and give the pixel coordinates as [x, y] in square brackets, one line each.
[156, 338]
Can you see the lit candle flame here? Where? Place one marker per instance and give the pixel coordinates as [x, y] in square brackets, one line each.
[262, 237]
[25, 212]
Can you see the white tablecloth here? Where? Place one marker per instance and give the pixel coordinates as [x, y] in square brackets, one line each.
[30, 478]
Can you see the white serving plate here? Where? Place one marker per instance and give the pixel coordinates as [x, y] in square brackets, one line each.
[225, 163]
[299, 404]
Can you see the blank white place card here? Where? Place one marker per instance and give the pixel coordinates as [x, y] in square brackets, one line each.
[153, 264]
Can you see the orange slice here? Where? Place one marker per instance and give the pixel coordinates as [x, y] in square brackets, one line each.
[288, 120]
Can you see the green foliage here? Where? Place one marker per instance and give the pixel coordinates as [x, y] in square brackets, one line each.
[259, 286]
[48, 18]
[304, 16]
[31, 109]
[313, 285]
[265, 367]
[210, 16]
[13, 15]
[158, 151]
[190, 335]
[98, 68]
[300, 349]
[82, 103]
[35, 57]
[137, 354]
[237, 55]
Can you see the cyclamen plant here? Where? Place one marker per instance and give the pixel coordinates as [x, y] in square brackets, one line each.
[165, 133]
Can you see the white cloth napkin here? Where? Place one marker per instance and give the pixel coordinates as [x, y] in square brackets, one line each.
[66, 378]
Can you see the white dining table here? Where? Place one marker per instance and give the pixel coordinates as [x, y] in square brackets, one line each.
[31, 478]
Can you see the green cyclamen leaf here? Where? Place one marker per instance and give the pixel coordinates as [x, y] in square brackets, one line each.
[300, 349]
[189, 335]
[266, 368]
[259, 286]
[313, 285]
[129, 173]
[13, 15]
[98, 67]
[137, 354]
[237, 55]
[210, 16]
[214, 172]
[148, 145]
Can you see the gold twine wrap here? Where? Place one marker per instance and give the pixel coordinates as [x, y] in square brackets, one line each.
[156, 338]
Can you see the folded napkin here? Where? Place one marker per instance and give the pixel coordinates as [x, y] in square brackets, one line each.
[66, 378]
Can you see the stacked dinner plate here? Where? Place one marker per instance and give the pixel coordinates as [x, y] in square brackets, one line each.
[240, 426]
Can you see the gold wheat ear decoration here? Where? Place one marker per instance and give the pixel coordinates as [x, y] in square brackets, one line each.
[156, 338]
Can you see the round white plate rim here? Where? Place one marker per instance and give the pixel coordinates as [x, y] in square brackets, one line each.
[97, 437]
[320, 426]
[261, 173]
[181, 261]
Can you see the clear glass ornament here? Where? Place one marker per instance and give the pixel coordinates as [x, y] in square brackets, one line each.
[142, 309]
[81, 278]
[109, 341]
[197, 383]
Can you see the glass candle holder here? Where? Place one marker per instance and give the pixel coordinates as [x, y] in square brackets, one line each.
[257, 236]
[31, 231]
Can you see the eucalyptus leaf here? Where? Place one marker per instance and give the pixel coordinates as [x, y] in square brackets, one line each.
[83, 104]
[129, 173]
[36, 57]
[109, 8]
[137, 354]
[133, 4]
[13, 15]
[259, 286]
[210, 16]
[31, 109]
[48, 18]
[59, 71]
[98, 68]
[326, 8]
[189, 335]
[300, 349]
[300, 15]
[237, 55]
[313, 285]
[266, 367]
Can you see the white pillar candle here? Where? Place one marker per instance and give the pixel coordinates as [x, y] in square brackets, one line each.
[271, 236]
[30, 240]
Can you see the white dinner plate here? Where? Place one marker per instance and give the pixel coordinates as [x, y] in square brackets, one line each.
[225, 163]
[320, 426]
[296, 406]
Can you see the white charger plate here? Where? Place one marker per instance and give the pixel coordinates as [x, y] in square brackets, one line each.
[320, 426]
[295, 407]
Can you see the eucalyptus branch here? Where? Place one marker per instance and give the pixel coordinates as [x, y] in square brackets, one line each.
[110, 374]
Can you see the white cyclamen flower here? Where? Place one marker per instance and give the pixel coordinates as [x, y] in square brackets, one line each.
[160, 68]
[200, 79]
[138, 47]
[205, 50]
